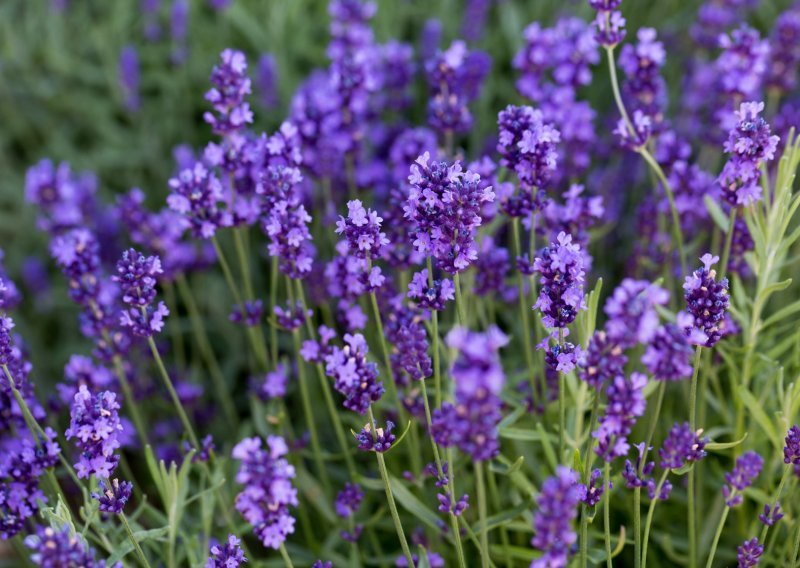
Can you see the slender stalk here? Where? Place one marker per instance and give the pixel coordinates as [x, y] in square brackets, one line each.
[523, 309]
[484, 534]
[726, 251]
[176, 401]
[649, 520]
[587, 468]
[285, 555]
[719, 532]
[796, 546]
[134, 542]
[786, 471]
[273, 300]
[612, 68]
[389, 496]
[606, 512]
[691, 509]
[462, 314]
[562, 404]
[437, 376]
[130, 401]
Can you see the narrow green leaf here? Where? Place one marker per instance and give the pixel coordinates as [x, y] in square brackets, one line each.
[126, 547]
[400, 438]
[759, 415]
[411, 504]
[776, 287]
[502, 469]
[502, 519]
[719, 446]
[716, 213]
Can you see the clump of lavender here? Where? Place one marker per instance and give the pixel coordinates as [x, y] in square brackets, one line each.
[427, 296]
[50, 548]
[747, 468]
[471, 422]
[750, 144]
[136, 276]
[668, 356]
[742, 65]
[552, 522]
[113, 495]
[626, 403]
[707, 301]
[444, 206]
[362, 229]
[354, 376]
[527, 144]
[228, 555]
[268, 492]
[562, 277]
[96, 427]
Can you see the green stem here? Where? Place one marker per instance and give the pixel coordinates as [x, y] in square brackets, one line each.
[612, 68]
[786, 471]
[176, 401]
[462, 314]
[130, 401]
[523, 309]
[649, 520]
[562, 405]
[437, 376]
[134, 542]
[606, 512]
[796, 546]
[484, 534]
[719, 532]
[285, 555]
[273, 300]
[587, 468]
[389, 496]
[691, 509]
[726, 251]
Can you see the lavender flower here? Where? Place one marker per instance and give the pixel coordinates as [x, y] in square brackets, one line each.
[749, 553]
[136, 275]
[268, 492]
[274, 384]
[362, 229]
[552, 522]
[642, 127]
[681, 445]
[196, 194]
[250, 315]
[51, 548]
[380, 441]
[230, 87]
[562, 276]
[742, 65]
[354, 376]
[750, 144]
[444, 206]
[791, 451]
[668, 355]
[707, 301]
[527, 144]
[293, 317]
[430, 297]
[593, 491]
[603, 360]
[229, 555]
[129, 77]
[747, 468]
[113, 497]
[626, 403]
[631, 311]
[95, 423]
[771, 515]
[610, 28]
[784, 52]
[409, 357]
[644, 86]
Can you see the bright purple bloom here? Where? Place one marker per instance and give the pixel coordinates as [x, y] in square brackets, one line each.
[563, 357]
[96, 427]
[750, 144]
[642, 128]
[562, 277]
[680, 446]
[113, 496]
[626, 403]
[136, 275]
[575, 216]
[268, 493]
[316, 351]
[381, 441]
[742, 65]
[362, 229]
[749, 553]
[230, 87]
[668, 356]
[430, 297]
[610, 28]
[229, 555]
[553, 521]
[354, 376]
[631, 311]
[747, 468]
[604, 359]
[444, 205]
[196, 193]
[707, 301]
[644, 85]
[791, 451]
[129, 77]
[51, 548]
[527, 144]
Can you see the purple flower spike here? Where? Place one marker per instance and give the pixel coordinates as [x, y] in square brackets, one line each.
[136, 275]
[642, 128]
[129, 77]
[707, 301]
[747, 468]
[354, 376]
[791, 451]
[631, 311]
[229, 555]
[196, 194]
[527, 144]
[381, 441]
[771, 515]
[95, 424]
[669, 355]
[682, 445]
[230, 87]
[348, 500]
[552, 523]
[444, 205]
[562, 276]
[51, 548]
[593, 491]
[113, 496]
[603, 361]
[430, 297]
[610, 28]
[268, 492]
[749, 553]
[362, 229]
[626, 403]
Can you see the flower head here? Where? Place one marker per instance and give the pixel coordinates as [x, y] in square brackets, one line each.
[354, 376]
[55, 548]
[562, 277]
[113, 496]
[427, 296]
[552, 523]
[136, 275]
[626, 403]
[747, 468]
[707, 301]
[96, 427]
[230, 87]
[681, 445]
[196, 194]
[749, 553]
[527, 144]
[228, 555]
[791, 451]
[362, 229]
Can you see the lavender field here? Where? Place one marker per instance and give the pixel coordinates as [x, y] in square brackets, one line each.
[378, 283]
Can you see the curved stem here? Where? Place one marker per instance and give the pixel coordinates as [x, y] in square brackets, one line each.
[649, 520]
[134, 542]
[612, 69]
[484, 534]
[437, 376]
[691, 512]
[462, 314]
[718, 533]
[285, 555]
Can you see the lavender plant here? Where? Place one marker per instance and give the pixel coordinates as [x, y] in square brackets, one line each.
[495, 292]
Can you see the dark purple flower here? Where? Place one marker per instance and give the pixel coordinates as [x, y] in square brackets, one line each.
[362, 229]
[552, 522]
[603, 360]
[292, 317]
[626, 403]
[268, 492]
[527, 144]
[444, 206]
[563, 357]
[95, 425]
[707, 301]
[322, 564]
[610, 28]
[380, 440]
[668, 356]
[129, 77]
[113, 496]
[593, 491]
[51, 548]
[680, 446]
[274, 384]
[250, 315]
[791, 451]
[562, 277]
[771, 515]
[354, 376]
[136, 276]
[749, 553]
[348, 500]
[492, 267]
[81, 370]
[747, 468]
[229, 555]
[409, 357]
[430, 297]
